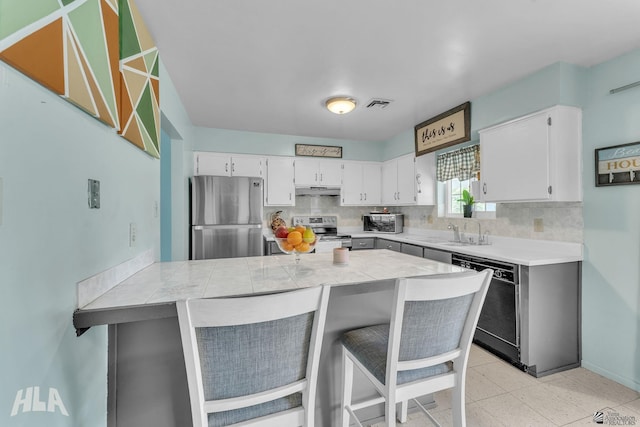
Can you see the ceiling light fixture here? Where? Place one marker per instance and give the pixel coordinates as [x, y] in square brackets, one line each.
[340, 104]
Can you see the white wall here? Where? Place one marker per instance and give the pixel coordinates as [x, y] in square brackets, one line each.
[50, 240]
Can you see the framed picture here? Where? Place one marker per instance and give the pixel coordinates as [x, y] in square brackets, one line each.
[449, 128]
[319, 151]
[618, 165]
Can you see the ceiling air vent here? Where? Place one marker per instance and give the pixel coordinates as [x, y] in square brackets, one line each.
[378, 103]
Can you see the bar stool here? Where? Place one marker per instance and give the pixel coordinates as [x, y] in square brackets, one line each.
[423, 350]
[253, 361]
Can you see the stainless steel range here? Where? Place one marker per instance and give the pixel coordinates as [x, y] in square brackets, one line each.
[326, 228]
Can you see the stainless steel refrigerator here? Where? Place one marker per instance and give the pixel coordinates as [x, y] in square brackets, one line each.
[226, 217]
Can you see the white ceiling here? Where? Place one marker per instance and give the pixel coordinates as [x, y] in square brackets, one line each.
[269, 65]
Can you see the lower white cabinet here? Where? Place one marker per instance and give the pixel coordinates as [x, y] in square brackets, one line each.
[279, 185]
[537, 157]
[361, 184]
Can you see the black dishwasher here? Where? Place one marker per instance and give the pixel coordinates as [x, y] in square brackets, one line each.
[499, 324]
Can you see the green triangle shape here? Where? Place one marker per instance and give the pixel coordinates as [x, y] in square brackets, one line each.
[86, 20]
[17, 14]
[145, 112]
[155, 71]
[149, 59]
[129, 44]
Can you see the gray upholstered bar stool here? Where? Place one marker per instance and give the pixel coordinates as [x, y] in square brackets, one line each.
[253, 361]
[423, 350]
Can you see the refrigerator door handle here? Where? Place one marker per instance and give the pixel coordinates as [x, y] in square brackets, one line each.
[226, 227]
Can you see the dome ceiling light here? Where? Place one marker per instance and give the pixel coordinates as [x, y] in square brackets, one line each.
[340, 104]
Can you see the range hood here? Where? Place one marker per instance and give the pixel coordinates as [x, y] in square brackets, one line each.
[317, 191]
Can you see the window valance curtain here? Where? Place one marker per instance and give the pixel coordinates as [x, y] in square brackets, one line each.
[461, 164]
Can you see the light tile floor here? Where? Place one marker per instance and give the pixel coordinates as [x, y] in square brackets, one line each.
[500, 395]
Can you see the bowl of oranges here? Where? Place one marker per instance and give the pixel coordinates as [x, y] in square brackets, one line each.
[295, 240]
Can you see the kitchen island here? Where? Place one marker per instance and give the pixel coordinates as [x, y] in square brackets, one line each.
[147, 379]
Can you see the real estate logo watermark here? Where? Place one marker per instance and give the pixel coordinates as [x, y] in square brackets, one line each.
[29, 400]
[613, 418]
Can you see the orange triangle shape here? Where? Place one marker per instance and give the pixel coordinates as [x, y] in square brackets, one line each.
[138, 63]
[126, 107]
[132, 134]
[155, 86]
[40, 56]
[112, 34]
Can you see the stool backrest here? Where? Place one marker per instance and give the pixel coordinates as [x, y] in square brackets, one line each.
[251, 356]
[434, 319]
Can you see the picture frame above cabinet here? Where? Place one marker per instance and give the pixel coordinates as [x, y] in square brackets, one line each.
[537, 157]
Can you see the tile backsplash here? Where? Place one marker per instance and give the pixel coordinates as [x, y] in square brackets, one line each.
[544, 220]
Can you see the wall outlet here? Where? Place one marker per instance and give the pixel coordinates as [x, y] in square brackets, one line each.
[94, 193]
[538, 225]
[133, 234]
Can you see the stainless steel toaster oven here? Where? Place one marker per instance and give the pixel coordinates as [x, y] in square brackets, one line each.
[383, 222]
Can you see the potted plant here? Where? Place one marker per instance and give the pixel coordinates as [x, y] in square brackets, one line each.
[467, 207]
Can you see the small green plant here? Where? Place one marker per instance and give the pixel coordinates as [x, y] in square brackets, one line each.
[467, 198]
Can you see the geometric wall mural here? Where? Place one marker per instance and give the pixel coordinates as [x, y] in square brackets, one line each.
[72, 47]
[140, 82]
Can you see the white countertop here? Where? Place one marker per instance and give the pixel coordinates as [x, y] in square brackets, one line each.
[527, 252]
[172, 281]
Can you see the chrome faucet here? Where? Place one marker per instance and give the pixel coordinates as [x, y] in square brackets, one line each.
[456, 233]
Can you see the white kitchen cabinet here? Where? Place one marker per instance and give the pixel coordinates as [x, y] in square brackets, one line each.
[223, 164]
[537, 157]
[426, 179]
[318, 172]
[279, 185]
[361, 184]
[399, 181]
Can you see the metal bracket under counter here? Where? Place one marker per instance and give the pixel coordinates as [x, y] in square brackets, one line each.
[84, 319]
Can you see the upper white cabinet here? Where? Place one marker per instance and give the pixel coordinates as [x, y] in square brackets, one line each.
[279, 186]
[361, 184]
[399, 181]
[535, 157]
[318, 172]
[426, 179]
[220, 164]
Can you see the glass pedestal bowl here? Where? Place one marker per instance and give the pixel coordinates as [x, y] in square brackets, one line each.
[301, 248]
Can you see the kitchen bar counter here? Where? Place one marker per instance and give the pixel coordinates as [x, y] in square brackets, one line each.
[168, 282]
[146, 376]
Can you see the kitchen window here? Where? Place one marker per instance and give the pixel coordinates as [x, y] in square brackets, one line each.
[456, 171]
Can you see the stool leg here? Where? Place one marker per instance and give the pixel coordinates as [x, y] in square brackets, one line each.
[347, 388]
[402, 415]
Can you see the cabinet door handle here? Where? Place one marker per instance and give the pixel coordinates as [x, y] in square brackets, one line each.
[321, 177]
[365, 196]
[226, 167]
[360, 196]
[362, 244]
[484, 188]
[289, 196]
[233, 167]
